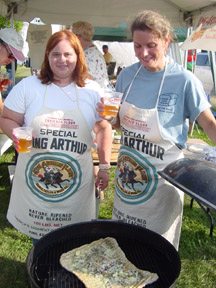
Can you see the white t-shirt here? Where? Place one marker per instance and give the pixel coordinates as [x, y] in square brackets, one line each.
[27, 97]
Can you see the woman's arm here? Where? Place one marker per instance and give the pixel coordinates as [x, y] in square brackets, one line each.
[1, 105]
[103, 131]
[207, 121]
[10, 120]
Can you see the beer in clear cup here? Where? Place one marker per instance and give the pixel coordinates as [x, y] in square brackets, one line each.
[24, 136]
[4, 79]
[112, 101]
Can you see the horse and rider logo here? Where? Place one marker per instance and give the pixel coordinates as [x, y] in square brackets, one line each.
[134, 176]
[130, 175]
[53, 177]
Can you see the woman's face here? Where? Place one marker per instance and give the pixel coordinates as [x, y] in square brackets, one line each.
[62, 60]
[150, 50]
[6, 56]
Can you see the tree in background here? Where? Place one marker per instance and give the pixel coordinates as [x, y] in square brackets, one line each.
[17, 24]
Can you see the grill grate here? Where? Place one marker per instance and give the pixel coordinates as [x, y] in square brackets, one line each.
[145, 252]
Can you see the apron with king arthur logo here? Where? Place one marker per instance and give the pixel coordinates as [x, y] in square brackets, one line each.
[142, 197]
[54, 183]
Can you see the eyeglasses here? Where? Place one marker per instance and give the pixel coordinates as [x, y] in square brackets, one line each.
[10, 55]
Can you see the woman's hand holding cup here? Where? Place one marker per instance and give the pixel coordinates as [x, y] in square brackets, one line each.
[109, 106]
[22, 139]
[4, 81]
[101, 109]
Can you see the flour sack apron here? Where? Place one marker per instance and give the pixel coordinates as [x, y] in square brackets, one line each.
[142, 197]
[54, 183]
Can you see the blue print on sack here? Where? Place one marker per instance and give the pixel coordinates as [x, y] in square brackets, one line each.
[53, 177]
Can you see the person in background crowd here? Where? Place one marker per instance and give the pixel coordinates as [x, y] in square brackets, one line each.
[159, 97]
[107, 56]
[55, 180]
[95, 62]
[35, 71]
[11, 46]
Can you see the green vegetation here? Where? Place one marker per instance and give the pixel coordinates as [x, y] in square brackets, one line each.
[17, 24]
[197, 249]
[22, 72]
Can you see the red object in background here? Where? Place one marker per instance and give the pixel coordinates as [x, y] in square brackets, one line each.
[191, 53]
[191, 59]
[5, 82]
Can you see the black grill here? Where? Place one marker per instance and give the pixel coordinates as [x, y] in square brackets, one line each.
[144, 248]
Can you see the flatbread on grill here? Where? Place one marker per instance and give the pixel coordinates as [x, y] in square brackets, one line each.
[102, 264]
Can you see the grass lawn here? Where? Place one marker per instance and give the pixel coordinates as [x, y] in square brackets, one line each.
[197, 249]
[22, 72]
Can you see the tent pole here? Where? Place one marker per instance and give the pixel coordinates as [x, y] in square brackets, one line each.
[213, 67]
[13, 63]
[186, 51]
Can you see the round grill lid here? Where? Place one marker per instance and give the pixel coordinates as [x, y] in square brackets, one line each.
[197, 178]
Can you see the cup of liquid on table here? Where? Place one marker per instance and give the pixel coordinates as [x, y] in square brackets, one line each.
[24, 136]
[112, 100]
[4, 79]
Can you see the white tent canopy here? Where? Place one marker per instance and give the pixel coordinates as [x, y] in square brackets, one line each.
[103, 13]
[100, 12]
[204, 37]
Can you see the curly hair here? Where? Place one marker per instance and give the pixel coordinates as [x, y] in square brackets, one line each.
[153, 21]
[84, 29]
[80, 73]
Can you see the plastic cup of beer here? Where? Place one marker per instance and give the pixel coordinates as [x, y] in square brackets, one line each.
[112, 101]
[24, 136]
[4, 79]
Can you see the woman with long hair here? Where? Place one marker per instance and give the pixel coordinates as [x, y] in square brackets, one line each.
[54, 183]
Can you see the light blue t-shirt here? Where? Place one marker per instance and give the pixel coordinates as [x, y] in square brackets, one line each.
[182, 97]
